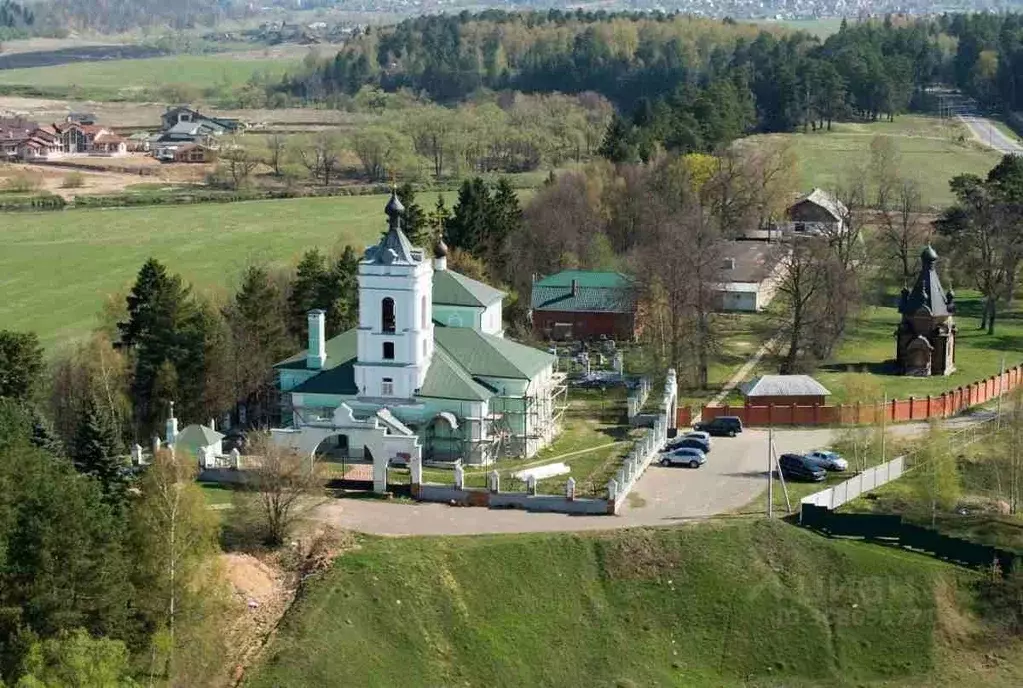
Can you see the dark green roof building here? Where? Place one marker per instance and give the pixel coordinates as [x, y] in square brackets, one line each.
[585, 304]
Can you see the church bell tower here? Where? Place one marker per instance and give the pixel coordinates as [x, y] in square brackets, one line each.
[395, 333]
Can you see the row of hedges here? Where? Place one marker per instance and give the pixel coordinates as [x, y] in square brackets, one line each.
[16, 203]
[199, 195]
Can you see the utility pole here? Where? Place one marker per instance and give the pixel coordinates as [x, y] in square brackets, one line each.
[998, 410]
[770, 472]
[884, 414]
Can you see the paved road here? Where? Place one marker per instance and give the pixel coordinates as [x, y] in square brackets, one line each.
[734, 475]
[988, 134]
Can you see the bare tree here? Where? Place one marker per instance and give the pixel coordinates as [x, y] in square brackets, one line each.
[276, 146]
[901, 228]
[283, 483]
[802, 286]
[321, 158]
[239, 161]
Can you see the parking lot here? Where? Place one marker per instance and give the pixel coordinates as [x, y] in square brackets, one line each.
[734, 475]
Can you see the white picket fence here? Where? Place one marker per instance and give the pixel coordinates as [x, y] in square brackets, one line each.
[848, 490]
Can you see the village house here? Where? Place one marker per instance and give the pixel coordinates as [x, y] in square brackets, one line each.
[583, 304]
[749, 275]
[183, 128]
[427, 374]
[818, 212]
[89, 139]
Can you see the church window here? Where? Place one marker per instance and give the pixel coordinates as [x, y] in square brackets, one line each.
[387, 387]
[388, 351]
[387, 314]
[423, 312]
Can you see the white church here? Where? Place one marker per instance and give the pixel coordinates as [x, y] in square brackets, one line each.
[426, 375]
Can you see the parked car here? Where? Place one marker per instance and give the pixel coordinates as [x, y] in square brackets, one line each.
[699, 434]
[686, 456]
[828, 460]
[722, 426]
[798, 467]
[684, 442]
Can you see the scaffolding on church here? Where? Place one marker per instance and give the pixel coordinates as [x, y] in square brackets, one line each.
[538, 415]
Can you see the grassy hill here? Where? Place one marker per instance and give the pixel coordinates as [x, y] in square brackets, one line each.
[745, 603]
[58, 268]
[930, 149]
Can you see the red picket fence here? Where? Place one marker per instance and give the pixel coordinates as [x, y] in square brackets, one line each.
[895, 411]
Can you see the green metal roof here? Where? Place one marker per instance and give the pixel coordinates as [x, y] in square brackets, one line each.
[586, 278]
[454, 289]
[338, 373]
[341, 348]
[596, 292]
[490, 356]
[445, 379]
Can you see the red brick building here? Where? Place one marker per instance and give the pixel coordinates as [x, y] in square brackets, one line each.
[581, 304]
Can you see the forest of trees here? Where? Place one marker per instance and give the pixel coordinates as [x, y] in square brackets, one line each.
[684, 83]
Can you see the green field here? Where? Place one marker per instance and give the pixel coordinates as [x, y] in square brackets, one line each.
[930, 150]
[748, 603]
[58, 268]
[124, 79]
[870, 342]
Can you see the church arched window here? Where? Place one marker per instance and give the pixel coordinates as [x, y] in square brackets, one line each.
[422, 309]
[387, 314]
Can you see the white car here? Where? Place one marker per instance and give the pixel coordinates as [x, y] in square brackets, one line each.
[828, 460]
[686, 456]
[699, 434]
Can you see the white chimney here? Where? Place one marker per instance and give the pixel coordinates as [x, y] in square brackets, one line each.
[172, 427]
[316, 356]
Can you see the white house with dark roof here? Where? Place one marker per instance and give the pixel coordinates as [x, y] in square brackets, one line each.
[426, 374]
[748, 275]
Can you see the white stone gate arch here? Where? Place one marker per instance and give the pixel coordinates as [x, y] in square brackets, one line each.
[382, 434]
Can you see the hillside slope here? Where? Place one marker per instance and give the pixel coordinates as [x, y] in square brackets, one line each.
[712, 605]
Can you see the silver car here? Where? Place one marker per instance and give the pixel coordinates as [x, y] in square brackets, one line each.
[828, 460]
[686, 456]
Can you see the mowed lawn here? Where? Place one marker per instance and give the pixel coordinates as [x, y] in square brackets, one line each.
[869, 347]
[113, 77]
[930, 153]
[58, 268]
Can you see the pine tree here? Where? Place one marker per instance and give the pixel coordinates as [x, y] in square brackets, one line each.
[466, 228]
[506, 218]
[617, 146]
[341, 293]
[258, 332]
[96, 451]
[164, 325]
[151, 283]
[21, 364]
[306, 292]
